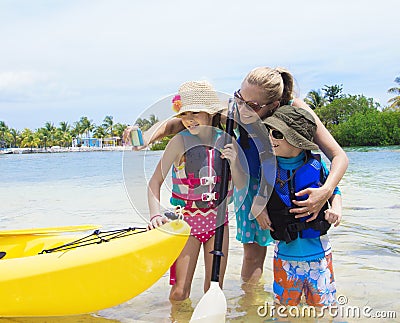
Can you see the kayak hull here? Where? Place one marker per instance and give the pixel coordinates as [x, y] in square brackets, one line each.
[89, 278]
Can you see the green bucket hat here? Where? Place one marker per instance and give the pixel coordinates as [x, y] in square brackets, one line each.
[296, 124]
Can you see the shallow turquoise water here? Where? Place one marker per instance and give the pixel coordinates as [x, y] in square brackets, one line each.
[39, 190]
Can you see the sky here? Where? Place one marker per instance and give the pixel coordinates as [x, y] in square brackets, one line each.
[65, 59]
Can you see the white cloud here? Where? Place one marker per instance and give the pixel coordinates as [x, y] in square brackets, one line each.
[31, 86]
[12, 80]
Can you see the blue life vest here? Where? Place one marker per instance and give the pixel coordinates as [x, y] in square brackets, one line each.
[286, 226]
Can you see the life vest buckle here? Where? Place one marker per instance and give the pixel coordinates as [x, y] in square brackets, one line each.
[297, 226]
[208, 180]
[207, 197]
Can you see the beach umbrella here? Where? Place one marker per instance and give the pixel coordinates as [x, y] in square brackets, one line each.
[212, 306]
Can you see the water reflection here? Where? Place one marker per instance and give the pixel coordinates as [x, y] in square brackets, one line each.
[245, 306]
[181, 311]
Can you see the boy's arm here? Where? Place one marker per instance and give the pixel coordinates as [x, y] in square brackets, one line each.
[336, 191]
[334, 214]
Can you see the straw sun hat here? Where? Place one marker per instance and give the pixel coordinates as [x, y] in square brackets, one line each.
[296, 124]
[196, 96]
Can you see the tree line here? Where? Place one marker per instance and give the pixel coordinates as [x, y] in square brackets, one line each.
[62, 135]
[353, 120]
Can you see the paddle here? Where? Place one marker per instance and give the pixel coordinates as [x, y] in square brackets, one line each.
[212, 306]
[49, 230]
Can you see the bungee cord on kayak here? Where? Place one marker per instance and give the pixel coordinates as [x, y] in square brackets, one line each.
[95, 238]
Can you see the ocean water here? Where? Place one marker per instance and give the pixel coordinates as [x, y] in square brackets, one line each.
[109, 188]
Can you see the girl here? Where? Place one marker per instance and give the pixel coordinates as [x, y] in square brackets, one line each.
[195, 157]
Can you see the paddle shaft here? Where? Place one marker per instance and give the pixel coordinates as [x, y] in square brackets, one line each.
[222, 203]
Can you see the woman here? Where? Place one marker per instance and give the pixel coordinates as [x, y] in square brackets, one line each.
[263, 91]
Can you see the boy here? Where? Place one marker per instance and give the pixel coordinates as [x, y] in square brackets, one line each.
[302, 257]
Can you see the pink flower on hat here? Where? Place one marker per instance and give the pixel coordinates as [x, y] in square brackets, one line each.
[176, 103]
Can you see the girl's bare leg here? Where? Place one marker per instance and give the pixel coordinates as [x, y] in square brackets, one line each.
[185, 266]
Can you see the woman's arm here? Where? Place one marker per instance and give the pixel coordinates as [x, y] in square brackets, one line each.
[169, 127]
[339, 162]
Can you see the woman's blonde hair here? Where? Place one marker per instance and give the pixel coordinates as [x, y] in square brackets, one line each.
[276, 82]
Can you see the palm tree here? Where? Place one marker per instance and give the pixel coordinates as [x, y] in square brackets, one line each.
[66, 139]
[76, 130]
[108, 124]
[15, 136]
[315, 99]
[145, 124]
[3, 130]
[332, 92]
[87, 126]
[43, 134]
[395, 101]
[119, 129]
[153, 119]
[64, 126]
[100, 132]
[51, 130]
[29, 139]
[64, 134]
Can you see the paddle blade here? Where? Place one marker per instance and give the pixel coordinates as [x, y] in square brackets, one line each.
[212, 306]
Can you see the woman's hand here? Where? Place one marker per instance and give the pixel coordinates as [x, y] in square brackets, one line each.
[317, 197]
[156, 221]
[260, 213]
[263, 221]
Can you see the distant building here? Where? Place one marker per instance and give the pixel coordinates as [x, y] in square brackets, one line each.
[87, 142]
[112, 142]
[96, 142]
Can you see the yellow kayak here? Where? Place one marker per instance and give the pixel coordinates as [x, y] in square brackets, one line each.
[58, 275]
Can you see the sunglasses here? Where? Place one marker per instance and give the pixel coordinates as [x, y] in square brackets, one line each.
[276, 134]
[252, 104]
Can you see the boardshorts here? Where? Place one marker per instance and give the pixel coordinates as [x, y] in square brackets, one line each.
[314, 279]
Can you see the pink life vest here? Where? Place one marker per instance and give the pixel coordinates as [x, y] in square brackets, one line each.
[196, 182]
